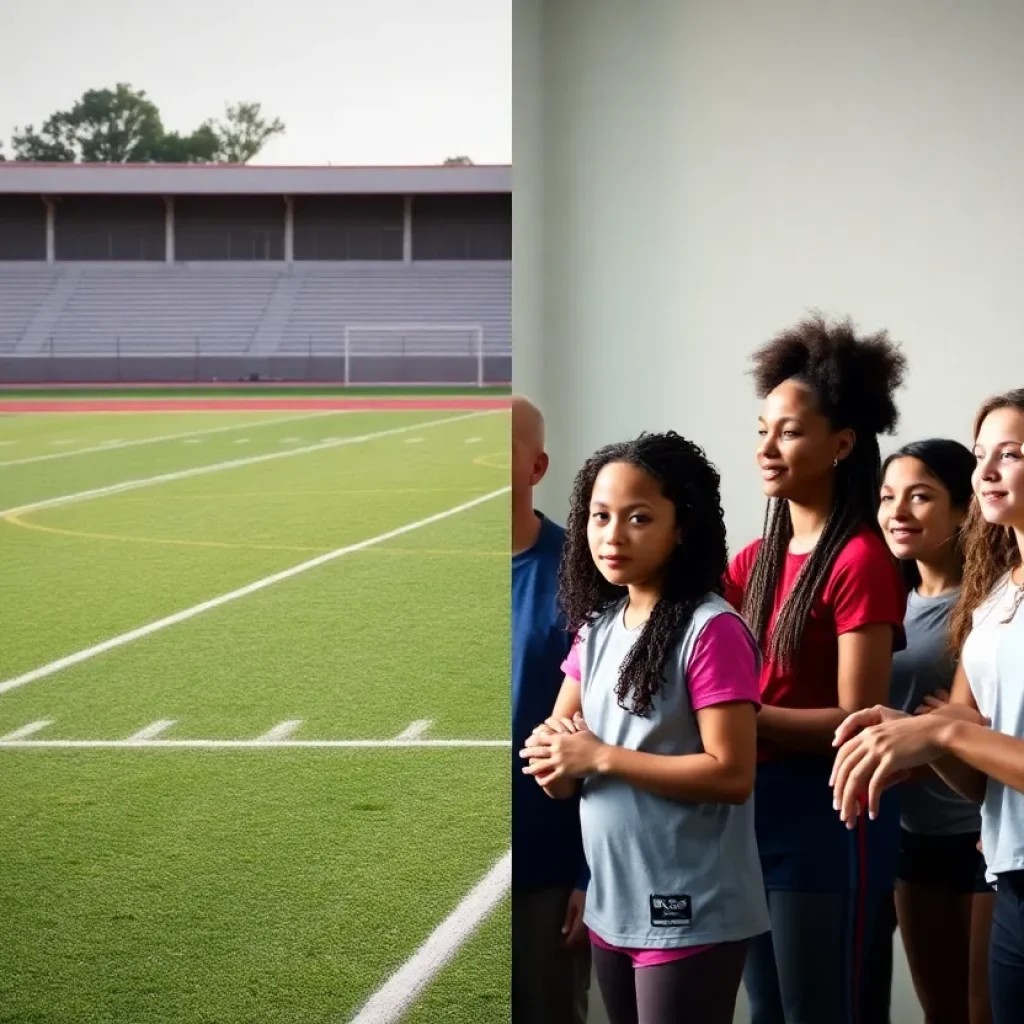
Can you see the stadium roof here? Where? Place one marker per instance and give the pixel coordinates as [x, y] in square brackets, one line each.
[233, 179]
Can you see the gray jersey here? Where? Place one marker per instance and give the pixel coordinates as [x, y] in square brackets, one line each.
[664, 873]
[993, 659]
[929, 807]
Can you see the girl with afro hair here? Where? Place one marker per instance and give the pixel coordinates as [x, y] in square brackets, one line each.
[826, 602]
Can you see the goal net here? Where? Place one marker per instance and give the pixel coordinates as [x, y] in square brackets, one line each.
[414, 353]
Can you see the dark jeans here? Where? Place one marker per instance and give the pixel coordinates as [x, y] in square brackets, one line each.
[550, 983]
[815, 965]
[1006, 950]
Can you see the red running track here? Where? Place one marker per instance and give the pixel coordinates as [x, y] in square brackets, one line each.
[297, 404]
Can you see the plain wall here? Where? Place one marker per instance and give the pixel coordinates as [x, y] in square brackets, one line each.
[691, 176]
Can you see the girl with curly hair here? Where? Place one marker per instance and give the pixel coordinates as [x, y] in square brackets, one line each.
[975, 743]
[655, 724]
[825, 601]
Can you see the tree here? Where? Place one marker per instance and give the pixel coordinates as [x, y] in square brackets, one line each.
[113, 126]
[201, 147]
[244, 132]
[53, 144]
[122, 125]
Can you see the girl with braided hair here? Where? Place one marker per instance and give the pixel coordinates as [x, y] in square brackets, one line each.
[655, 725]
[825, 600]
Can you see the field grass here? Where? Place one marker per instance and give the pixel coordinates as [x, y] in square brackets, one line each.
[270, 881]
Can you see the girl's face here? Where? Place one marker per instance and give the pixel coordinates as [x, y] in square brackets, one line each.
[999, 474]
[632, 529]
[798, 445]
[916, 513]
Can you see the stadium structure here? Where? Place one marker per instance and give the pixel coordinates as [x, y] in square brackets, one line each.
[185, 273]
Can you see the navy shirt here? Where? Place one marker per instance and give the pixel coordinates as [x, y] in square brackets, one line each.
[545, 832]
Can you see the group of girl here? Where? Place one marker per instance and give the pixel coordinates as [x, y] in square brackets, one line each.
[779, 751]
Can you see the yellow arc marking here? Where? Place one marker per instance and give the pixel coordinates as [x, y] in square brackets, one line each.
[16, 519]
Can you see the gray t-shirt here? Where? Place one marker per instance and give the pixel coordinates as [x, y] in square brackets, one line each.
[665, 873]
[993, 659]
[929, 807]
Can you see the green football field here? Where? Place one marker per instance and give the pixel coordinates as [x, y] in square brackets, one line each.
[254, 707]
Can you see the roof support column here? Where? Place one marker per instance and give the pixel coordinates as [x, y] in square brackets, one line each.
[169, 256]
[289, 230]
[407, 231]
[51, 230]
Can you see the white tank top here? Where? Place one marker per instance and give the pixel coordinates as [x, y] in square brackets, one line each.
[993, 658]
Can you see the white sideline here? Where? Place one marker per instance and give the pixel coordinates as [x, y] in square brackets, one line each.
[133, 743]
[396, 997]
[251, 588]
[252, 460]
[107, 446]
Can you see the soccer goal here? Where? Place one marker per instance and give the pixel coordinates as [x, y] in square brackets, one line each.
[422, 353]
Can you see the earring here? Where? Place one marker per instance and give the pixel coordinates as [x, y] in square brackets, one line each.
[835, 463]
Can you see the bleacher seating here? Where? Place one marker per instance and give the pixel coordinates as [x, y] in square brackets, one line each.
[327, 301]
[161, 311]
[23, 290]
[272, 310]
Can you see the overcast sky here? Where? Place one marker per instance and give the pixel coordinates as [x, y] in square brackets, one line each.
[375, 82]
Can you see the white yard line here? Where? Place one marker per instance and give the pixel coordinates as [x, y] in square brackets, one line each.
[281, 731]
[393, 1000]
[133, 743]
[109, 446]
[252, 460]
[153, 730]
[233, 595]
[26, 730]
[415, 730]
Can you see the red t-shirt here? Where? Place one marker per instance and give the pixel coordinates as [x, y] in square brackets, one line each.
[864, 588]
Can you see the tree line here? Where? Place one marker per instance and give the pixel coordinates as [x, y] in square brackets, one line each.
[123, 126]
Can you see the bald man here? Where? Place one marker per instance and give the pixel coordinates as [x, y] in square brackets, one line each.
[550, 950]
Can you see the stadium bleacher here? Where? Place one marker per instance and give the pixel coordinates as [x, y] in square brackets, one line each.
[368, 275]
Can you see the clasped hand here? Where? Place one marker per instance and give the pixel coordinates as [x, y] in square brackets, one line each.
[561, 748]
[880, 747]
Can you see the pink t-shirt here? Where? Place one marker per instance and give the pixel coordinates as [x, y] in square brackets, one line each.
[719, 668]
[719, 672]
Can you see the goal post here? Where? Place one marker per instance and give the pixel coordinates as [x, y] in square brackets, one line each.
[422, 344]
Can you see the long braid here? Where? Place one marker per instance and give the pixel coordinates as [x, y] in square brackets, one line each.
[853, 381]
